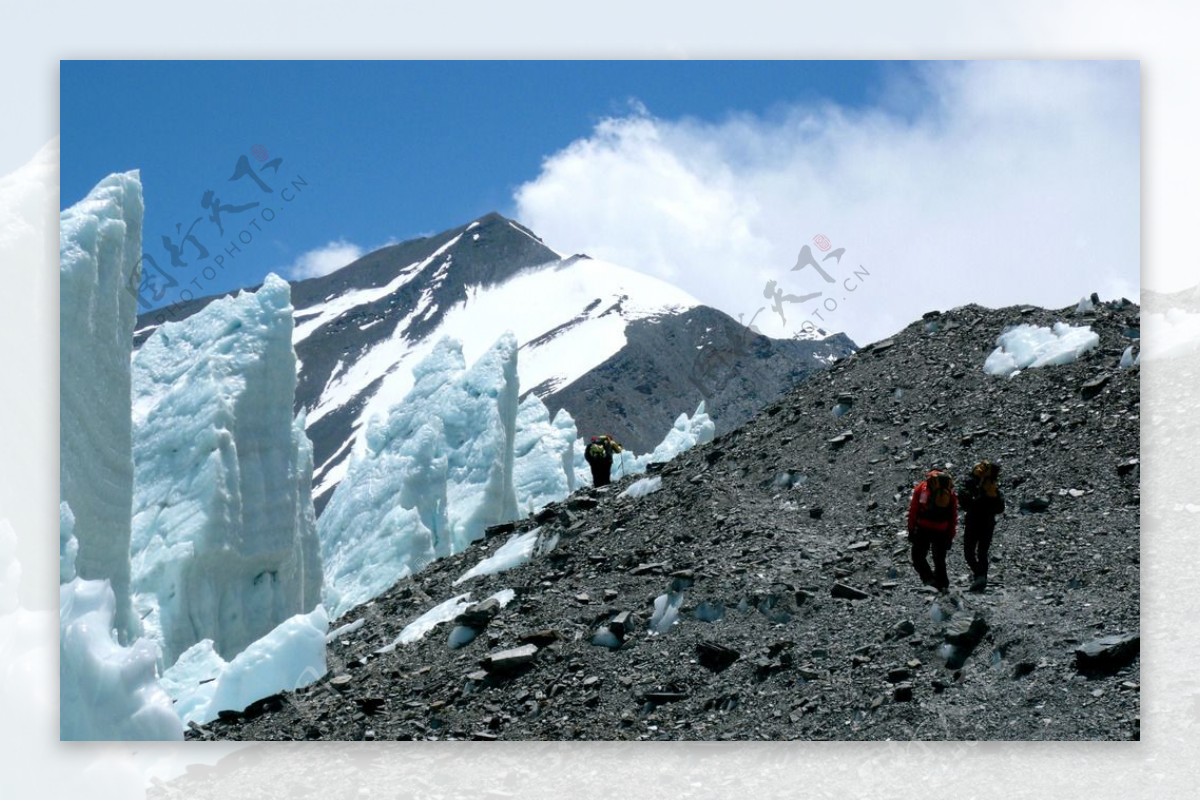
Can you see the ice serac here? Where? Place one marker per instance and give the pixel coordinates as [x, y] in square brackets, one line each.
[107, 691]
[542, 455]
[291, 655]
[480, 422]
[100, 243]
[224, 535]
[434, 473]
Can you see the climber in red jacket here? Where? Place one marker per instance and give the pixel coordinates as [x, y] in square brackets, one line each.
[932, 524]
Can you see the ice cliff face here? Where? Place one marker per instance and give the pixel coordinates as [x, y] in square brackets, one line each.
[224, 535]
[100, 245]
[455, 456]
[543, 453]
[434, 474]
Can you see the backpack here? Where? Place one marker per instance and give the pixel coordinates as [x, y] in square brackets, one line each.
[936, 481]
[596, 450]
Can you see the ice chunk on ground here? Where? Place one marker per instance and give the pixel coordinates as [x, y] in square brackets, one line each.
[1127, 358]
[224, 534]
[291, 655]
[642, 487]
[515, 552]
[461, 636]
[666, 612]
[1026, 346]
[444, 612]
[342, 631]
[100, 245]
[432, 476]
[1085, 305]
[605, 638]
[107, 691]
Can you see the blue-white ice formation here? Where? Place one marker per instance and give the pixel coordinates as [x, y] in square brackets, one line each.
[224, 535]
[433, 475]
[1027, 346]
[100, 245]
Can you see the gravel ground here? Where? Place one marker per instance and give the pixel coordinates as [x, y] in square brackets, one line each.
[756, 537]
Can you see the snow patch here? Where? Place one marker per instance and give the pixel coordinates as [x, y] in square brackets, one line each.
[642, 487]
[517, 551]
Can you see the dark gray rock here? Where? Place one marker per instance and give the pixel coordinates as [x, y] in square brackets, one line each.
[510, 659]
[1091, 389]
[715, 657]
[1108, 654]
[1035, 505]
[840, 590]
[478, 616]
[622, 624]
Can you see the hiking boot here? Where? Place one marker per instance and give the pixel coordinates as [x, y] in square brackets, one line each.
[979, 584]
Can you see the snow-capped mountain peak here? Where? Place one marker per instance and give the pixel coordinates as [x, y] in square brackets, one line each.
[360, 330]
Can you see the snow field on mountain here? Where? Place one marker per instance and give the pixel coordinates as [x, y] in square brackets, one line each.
[310, 318]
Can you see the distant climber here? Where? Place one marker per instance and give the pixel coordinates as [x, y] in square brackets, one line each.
[932, 522]
[599, 456]
[981, 501]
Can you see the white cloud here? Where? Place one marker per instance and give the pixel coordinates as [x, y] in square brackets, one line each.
[1008, 182]
[324, 260]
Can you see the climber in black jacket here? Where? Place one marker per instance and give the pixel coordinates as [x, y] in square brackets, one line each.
[981, 500]
[599, 456]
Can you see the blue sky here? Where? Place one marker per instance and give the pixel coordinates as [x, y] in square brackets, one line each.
[389, 150]
[1018, 182]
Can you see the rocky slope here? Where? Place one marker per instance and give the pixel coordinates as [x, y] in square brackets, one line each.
[782, 542]
[702, 354]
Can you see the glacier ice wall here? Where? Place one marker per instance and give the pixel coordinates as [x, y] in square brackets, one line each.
[542, 453]
[224, 535]
[456, 455]
[432, 476]
[100, 242]
[480, 419]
